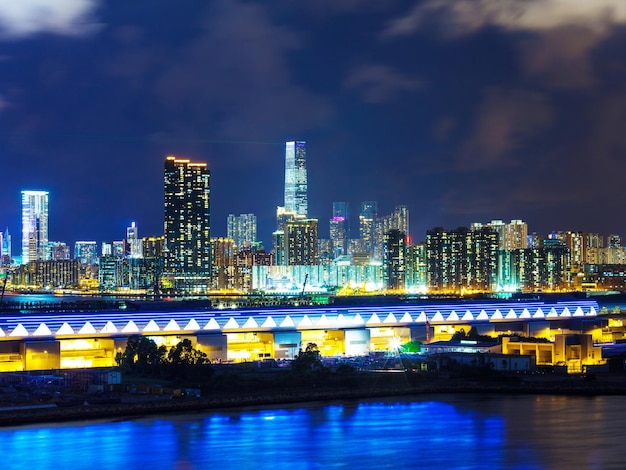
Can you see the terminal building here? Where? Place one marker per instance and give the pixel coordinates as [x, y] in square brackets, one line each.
[81, 340]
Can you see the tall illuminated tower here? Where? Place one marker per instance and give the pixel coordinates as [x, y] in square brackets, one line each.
[187, 217]
[35, 226]
[296, 201]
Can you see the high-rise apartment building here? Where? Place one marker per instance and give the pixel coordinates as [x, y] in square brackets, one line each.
[296, 200]
[462, 259]
[367, 220]
[35, 226]
[241, 229]
[301, 242]
[394, 260]
[187, 221]
[340, 228]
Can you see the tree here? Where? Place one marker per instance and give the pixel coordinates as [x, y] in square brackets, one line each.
[308, 360]
[184, 359]
[141, 355]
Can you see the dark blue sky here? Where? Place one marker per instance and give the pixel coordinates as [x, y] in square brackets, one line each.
[463, 110]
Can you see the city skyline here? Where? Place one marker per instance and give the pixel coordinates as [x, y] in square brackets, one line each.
[460, 114]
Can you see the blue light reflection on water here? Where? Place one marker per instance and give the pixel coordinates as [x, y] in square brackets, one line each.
[453, 432]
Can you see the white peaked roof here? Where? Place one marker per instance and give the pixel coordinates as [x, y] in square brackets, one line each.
[250, 323]
[358, 320]
[467, 316]
[453, 316]
[19, 330]
[482, 315]
[2, 333]
[421, 318]
[42, 330]
[87, 329]
[323, 321]
[151, 327]
[306, 321]
[437, 316]
[406, 318]
[192, 325]
[131, 327]
[212, 325]
[108, 328]
[287, 323]
[269, 323]
[172, 325]
[497, 315]
[391, 318]
[374, 319]
[231, 324]
[511, 315]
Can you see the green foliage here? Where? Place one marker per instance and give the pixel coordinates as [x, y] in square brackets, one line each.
[143, 356]
[308, 360]
[472, 335]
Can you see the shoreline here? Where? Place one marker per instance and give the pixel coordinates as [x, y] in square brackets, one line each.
[132, 410]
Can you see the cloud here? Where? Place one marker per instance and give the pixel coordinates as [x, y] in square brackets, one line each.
[380, 83]
[560, 34]
[22, 18]
[466, 16]
[506, 121]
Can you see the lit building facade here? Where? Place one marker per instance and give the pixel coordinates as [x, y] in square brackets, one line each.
[187, 221]
[296, 200]
[462, 259]
[394, 260]
[301, 242]
[241, 229]
[86, 252]
[5, 248]
[367, 220]
[35, 226]
[340, 228]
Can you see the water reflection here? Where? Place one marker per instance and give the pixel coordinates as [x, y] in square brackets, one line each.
[467, 432]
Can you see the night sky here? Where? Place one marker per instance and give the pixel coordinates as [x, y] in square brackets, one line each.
[463, 110]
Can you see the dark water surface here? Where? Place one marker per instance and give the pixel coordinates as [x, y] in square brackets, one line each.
[449, 431]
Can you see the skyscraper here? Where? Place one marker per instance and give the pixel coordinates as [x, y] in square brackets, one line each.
[242, 229]
[301, 242]
[367, 219]
[295, 178]
[340, 228]
[394, 259]
[35, 226]
[5, 248]
[187, 219]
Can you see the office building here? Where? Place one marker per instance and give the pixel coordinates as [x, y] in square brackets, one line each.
[187, 221]
[35, 226]
[86, 252]
[5, 248]
[133, 248]
[59, 251]
[242, 230]
[296, 200]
